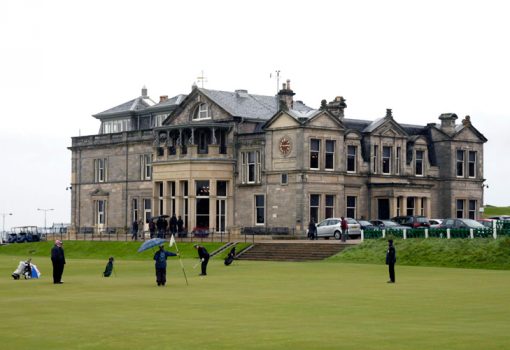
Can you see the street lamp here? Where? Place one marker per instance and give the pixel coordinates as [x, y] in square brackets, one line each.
[45, 211]
[3, 220]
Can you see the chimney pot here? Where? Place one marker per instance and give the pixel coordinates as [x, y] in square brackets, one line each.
[163, 98]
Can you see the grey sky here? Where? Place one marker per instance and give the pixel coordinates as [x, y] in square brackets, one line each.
[62, 61]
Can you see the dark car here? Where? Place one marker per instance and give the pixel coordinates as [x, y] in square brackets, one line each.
[461, 223]
[388, 225]
[487, 222]
[366, 225]
[413, 221]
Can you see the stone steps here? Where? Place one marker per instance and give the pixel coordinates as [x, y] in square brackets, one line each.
[291, 251]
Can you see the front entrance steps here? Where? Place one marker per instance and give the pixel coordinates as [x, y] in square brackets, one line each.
[292, 251]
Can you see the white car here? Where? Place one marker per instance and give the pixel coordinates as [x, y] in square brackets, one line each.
[332, 228]
[435, 223]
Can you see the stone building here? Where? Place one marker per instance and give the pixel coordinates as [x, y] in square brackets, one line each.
[225, 160]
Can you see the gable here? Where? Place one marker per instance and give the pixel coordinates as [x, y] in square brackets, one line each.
[283, 120]
[468, 134]
[389, 128]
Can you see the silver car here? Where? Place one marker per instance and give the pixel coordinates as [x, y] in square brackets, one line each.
[332, 228]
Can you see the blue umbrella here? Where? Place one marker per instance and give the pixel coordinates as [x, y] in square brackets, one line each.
[153, 242]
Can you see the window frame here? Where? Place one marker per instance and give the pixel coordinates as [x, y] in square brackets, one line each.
[201, 112]
[471, 164]
[315, 153]
[460, 163]
[259, 208]
[386, 160]
[352, 158]
[420, 161]
[329, 155]
[459, 209]
[351, 210]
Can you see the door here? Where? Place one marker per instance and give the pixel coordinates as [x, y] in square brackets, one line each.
[383, 208]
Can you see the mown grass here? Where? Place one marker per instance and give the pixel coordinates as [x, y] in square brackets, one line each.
[254, 305]
[463, 253]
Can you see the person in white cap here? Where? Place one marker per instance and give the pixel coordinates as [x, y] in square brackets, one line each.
[58, 260]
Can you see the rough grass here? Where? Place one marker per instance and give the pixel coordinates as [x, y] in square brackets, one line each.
[254, 305]
[464, 253]
[496, 211]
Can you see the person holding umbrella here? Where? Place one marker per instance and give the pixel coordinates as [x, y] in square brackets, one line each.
[160, 258]
[203, 254]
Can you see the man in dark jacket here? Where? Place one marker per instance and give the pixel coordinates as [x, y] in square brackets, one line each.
[391, 259]
[58, 260]
[173, 225]
[312, 230]
[203, 254]
[344, 225]
[160, 258]
[180, 225]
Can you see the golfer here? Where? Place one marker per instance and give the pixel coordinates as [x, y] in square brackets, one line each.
[58, 260]
[160, 258]
[204, 258]
[391, 259]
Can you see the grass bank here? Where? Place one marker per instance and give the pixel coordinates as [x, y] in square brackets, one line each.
[495, 211]
[463, 253]
[103, 250]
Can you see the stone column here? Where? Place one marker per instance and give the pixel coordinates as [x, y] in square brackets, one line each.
[393, 207]
[417, 205]
[403, 205]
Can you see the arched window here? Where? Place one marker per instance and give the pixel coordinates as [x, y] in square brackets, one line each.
[201, 112]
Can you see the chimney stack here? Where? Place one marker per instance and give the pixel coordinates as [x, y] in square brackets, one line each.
[448, 122]
[144, 91]
[163, 98]
[285, 96]
[337, 106]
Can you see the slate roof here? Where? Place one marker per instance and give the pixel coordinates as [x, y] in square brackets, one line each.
[171, 102]
[134, 105]
[243, 104]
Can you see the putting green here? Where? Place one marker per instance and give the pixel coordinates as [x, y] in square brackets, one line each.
[254, 305]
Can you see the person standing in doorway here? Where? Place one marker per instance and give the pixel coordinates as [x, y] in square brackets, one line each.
[160, 258]
[58, 260]
[391, 259]
[203, 254]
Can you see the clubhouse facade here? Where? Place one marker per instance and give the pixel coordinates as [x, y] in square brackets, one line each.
[228, 160]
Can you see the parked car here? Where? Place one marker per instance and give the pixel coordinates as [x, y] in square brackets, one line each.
[366, 225]
[413, 221]
[461, 223]
[489, 223]
[501, 217]
[332, 228]
[435, 223]
[388, 224]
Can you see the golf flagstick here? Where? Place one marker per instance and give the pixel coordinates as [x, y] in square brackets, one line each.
[172, 242]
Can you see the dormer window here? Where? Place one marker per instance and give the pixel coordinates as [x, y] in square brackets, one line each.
[202, 112]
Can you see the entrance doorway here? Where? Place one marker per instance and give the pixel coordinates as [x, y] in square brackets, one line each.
[383, 208]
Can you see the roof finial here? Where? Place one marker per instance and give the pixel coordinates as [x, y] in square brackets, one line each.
[144, 91]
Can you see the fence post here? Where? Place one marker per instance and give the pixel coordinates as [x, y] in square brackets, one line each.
[426, 233]
[405, 234]
[494, 229]
[383, 233]
[448, 233]
[362, 235]
[471, 233]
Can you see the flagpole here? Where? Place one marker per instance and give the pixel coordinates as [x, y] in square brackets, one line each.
[172, 240]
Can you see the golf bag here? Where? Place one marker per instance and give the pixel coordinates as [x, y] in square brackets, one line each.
[26, 269]
[230, 257]
[109, 268]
